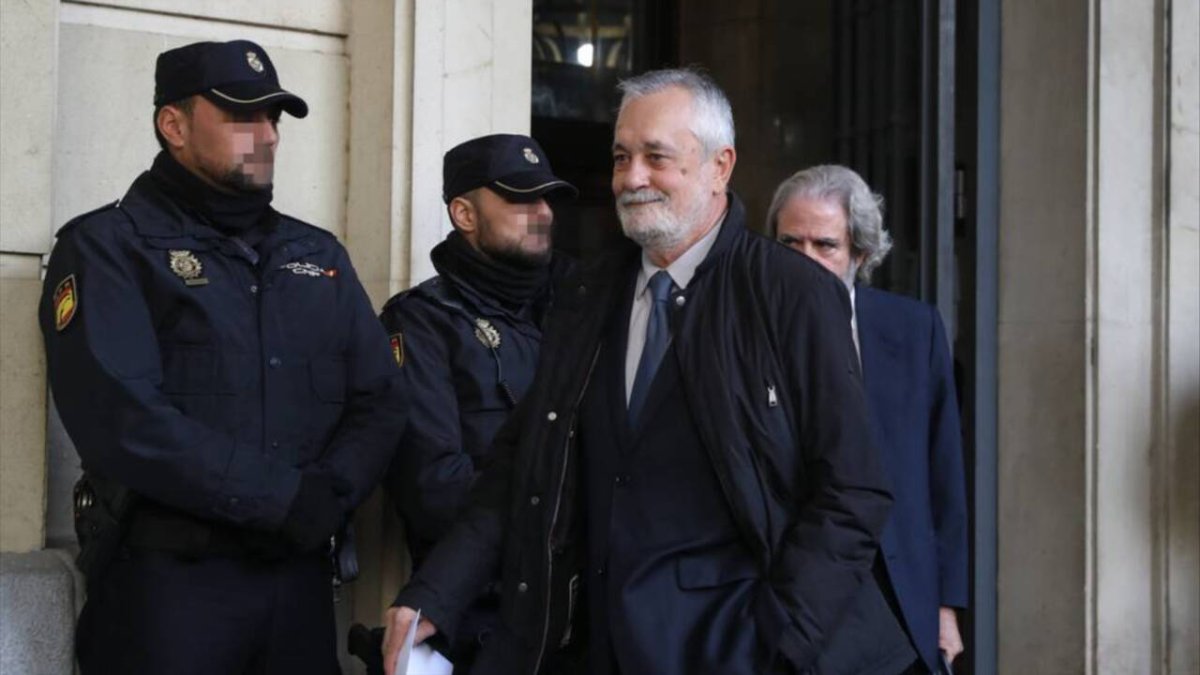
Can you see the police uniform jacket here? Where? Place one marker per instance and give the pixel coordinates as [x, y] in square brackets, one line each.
[769, 373]
[471, 358]
[205, 380]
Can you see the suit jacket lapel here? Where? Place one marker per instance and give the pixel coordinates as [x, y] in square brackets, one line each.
[879, 349]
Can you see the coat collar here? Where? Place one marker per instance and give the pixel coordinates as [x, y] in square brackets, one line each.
[731, 229]
[158, 217]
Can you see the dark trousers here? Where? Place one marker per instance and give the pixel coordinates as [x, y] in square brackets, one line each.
[155, 612]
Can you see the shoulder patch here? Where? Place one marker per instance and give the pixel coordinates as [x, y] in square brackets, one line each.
[397, 340]
[66, 302]
[84, 216]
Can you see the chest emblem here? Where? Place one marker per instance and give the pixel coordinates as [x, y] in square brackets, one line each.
[397, 340]
[308, 270]
[187, 266]
[65, 302]
[486, 333]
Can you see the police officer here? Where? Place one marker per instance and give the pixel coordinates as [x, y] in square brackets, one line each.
[468, 338]
[222, 375]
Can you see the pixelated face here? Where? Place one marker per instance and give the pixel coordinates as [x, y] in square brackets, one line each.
[234, 150]
[818, 229]
[516, 232]
[663, 182]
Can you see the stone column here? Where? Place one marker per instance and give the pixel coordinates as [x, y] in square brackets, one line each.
[425, 76]
[1097, 354]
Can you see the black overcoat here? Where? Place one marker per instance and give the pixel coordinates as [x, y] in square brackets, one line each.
[770, 374]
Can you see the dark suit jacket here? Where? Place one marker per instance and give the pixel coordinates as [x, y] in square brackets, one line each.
[914, 414]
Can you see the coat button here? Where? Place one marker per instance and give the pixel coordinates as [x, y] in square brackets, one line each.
[551, 415]
[680, 300]
[275, 362]
[253, 288]
[522, 587]
[535, 500]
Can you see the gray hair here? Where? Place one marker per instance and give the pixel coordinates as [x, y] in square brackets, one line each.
[863, 208]
[712, 116]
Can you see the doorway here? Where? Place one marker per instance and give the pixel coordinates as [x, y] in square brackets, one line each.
[902, 91]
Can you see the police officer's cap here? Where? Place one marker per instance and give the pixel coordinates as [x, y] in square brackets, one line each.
[513, 166]
[236, 76]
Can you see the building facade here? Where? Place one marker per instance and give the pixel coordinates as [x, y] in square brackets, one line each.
[1088, 558]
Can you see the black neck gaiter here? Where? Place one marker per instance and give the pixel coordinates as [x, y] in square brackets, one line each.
[512, 285]
[234, 214]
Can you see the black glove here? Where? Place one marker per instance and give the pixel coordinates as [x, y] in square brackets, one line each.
[317, 511]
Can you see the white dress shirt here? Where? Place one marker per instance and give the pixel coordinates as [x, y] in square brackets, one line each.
[854, 323]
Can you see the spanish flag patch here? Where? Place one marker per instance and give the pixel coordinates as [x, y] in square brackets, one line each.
[397, 340]
[66, 301]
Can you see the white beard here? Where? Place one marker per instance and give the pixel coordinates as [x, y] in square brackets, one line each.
[654, 226]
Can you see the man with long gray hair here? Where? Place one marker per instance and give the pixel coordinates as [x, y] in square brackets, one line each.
[672, 496]
[829, 214]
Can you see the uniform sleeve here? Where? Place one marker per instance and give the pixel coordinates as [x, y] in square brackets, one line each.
[377, 405]
[431, 473]
[946, 480]
[105, 373]
[467, 557]
[826, 554]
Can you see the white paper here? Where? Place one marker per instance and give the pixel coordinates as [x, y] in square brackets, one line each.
[420, 659]
[425, 660]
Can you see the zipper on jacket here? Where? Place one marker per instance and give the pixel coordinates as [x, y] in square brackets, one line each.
[562, 477]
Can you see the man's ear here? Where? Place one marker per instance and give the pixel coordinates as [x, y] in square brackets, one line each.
[173, 125]
[723, 160]
[462, 215]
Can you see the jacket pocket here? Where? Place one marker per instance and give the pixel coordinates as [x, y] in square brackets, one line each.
[328, 377]
[716, 566]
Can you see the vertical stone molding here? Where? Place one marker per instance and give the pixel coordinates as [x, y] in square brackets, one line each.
[1098, 339]
[1043, 339]
[1181, 365]
[472, 73]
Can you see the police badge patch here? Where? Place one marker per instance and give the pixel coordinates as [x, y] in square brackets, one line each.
[254, 62]
[397, 340]
[187, 266]
[65, 302]
[486, 333]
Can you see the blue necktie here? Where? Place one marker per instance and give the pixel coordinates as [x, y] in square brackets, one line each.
[658, 335]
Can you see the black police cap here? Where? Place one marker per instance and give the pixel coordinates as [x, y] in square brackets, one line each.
[513, 166]
[237, 76]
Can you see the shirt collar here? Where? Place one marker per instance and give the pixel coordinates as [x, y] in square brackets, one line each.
[684, 267]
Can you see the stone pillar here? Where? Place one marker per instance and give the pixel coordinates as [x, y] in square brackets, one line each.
[1097, 347]
[471, 75]
[425, 76]
[1180, 418]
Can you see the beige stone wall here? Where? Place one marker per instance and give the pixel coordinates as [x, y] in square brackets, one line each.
[28, 39]
[1098, 351]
